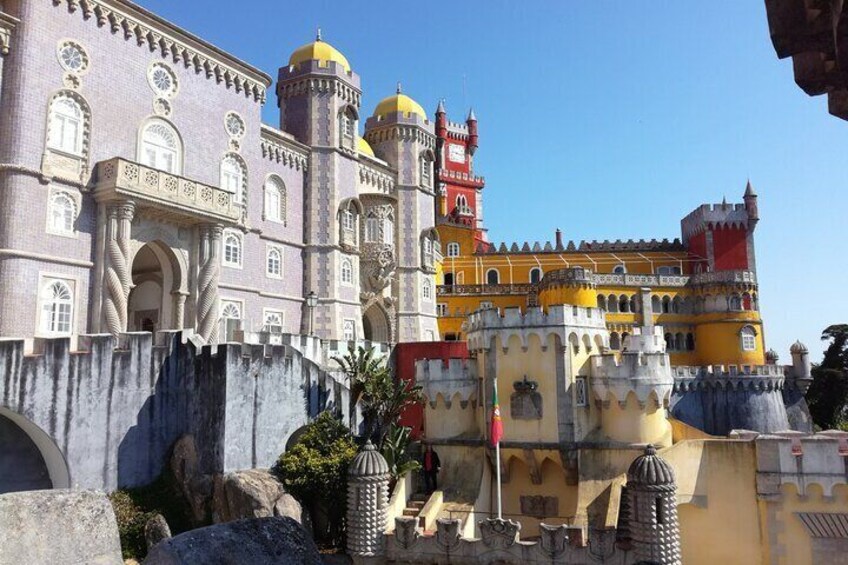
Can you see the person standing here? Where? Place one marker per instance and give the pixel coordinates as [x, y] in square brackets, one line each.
[431, 465]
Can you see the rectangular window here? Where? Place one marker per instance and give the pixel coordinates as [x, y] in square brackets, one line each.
[388, 231]
[372, 230]
[441, 310]
[273, 321]
[580, 398]
[349, 330]
[486, 305]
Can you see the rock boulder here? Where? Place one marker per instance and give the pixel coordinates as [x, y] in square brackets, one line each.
[258, 541]
[254, 493]
[58, 526]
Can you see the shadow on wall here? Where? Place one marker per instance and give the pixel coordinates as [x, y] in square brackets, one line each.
[23, 465]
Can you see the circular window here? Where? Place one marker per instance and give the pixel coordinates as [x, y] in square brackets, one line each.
[234, 124]
[72, 57]
[162, 79]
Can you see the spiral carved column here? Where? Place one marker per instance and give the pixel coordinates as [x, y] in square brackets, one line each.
[117, 274]
[207, 282]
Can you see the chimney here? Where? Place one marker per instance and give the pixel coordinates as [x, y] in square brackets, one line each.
[558, 239]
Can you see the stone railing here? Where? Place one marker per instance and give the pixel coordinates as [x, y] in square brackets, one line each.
[572, 275]
[169, 194]
[610, 279]
[719, 277]
[482, 289]
[556, 545]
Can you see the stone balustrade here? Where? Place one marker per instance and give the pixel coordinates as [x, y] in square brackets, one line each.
[724, 277]
[169, 195]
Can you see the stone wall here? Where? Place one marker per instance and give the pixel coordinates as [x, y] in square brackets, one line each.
[109, 410]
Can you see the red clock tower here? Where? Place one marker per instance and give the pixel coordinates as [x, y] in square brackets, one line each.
[460, 193]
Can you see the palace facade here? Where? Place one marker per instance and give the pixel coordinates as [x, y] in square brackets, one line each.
[142, 192]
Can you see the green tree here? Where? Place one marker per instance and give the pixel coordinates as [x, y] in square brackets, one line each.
[828, 393]
[314, 471]
[397, 453]
[383, 397]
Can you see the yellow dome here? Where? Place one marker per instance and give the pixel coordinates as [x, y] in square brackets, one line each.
[364, 147]
[399, 103]
[318, 51]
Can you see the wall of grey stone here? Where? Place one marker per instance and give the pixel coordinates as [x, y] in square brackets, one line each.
[717, 409]
[115, 413]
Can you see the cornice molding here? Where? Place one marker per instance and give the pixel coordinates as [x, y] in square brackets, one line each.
[172, 43]
[277, 148]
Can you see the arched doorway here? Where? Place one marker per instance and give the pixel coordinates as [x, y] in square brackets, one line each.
[30, 460]
[376, 325]
[156, 278]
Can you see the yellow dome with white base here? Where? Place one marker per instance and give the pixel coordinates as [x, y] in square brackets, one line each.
[399, 103]
[320, 51]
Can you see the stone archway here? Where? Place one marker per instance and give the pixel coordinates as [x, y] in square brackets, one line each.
[157, 298]
[31, 460]
[376, 325]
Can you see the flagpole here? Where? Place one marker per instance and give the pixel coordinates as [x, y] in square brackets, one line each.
[498, 462]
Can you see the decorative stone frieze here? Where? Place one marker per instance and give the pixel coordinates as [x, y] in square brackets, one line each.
[158, 35]
[276, 150]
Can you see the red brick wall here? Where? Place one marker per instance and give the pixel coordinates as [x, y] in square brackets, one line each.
[730, 249]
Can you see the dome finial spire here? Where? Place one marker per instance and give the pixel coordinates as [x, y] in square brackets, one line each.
[318, 34]
[399, 89]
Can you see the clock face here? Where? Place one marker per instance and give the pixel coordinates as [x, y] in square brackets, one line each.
[456, 153]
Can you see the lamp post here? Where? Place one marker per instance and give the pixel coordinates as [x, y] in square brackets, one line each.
[311, 303]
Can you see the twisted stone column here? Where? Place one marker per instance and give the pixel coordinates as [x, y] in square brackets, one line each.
[118, 277]
[207, 282]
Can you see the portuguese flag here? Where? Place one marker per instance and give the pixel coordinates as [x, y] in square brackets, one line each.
[497, 424]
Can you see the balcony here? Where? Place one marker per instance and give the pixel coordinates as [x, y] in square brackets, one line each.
[172, 197]
[609, 279]
[484, 289]
[725, 277]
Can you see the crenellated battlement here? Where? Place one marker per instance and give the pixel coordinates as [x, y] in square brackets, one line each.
[755, 378]
[722, 215]
[534, 316]
[584, 246]
[637, 372]
[457, 376]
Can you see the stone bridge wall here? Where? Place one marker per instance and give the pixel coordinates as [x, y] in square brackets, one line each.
[111, 411]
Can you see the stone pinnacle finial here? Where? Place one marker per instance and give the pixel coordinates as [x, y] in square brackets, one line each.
[441, 108]
[471, 116]
[399, 89]
[318, 34]
[749, 190]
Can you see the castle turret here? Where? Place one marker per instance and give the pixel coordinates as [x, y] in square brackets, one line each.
[653, 525]
[367, 505]
[473, 138]
[574, 286]
[800, 360]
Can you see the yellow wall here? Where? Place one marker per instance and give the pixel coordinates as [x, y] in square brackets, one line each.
[718, 341]
[553, 484]
[634, 424]
[575, 295]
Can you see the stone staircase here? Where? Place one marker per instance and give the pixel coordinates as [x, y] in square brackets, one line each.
[414, 505]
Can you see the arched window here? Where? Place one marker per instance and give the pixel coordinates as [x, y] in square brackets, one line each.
[612, 303]
[274, 262]
[535, 275]
[233, 177]
[232, 249]
[634, 304]
[619, 270]
[230, 319]
[666, 305]
[349, 222]
[690, 342]
[493, 276]
[160, 147]
[347, 128]
[65, 125]
[669, 342]
[453, 249]
[57, 308]
[275, 199]
[676, 307]
[427, 290]
[680, 342]
[62, 214]
[748, 337]
[426, 164]
[347, 272]
[623, 304]
[462, 207]
[615, 341]
[602, 302]
[735, 302]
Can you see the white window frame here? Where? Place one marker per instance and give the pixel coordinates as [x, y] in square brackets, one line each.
[224, 260]
[426, 171]
[442, 309]
[748, 338]
[530, 274]
[346, 280]
[234, 178]
[269, 250]
[224, 320]
[452, 249]
[275, 213]
[52, 312]
[51, 214]
[427, 290]
[496, 271]
[60, 136]
[620, 269]
[151, 154]
[268, 316]
[349, 329]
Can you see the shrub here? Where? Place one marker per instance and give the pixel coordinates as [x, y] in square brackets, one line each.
[314, 471]
[134, 507]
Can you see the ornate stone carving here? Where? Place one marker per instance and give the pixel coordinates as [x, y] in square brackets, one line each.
[525, 403]
[207, 282]
[406, 531]
[380, 267]
[117, 273]
[499, 534]
[553, 540]
[447, 534]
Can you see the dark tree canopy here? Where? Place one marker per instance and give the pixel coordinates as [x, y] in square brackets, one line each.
[828, 394]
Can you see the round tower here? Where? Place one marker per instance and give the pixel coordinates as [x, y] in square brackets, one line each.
[574, 286]
[367, 504]
[654, 528]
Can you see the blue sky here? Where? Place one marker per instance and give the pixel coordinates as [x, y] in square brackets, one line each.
[606, 119]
